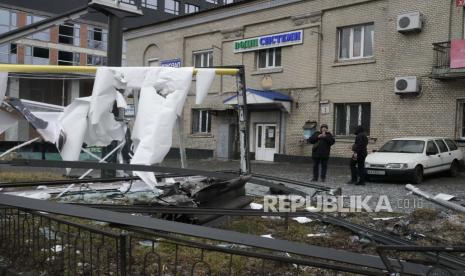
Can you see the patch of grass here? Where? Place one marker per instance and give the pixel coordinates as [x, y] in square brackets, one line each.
[424, 214]
[26, 176]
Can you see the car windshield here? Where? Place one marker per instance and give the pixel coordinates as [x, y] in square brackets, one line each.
[403, 146]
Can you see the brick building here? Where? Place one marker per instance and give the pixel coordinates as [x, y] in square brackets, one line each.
[344, 70]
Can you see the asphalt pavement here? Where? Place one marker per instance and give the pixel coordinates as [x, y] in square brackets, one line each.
[400, 199]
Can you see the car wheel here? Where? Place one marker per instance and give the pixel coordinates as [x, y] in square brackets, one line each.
[417, 177]
[454, 169]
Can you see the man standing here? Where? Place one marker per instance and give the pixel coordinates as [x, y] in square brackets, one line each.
[322, 141]
[359, 155]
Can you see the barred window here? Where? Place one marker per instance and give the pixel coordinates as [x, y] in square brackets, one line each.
[350, 115]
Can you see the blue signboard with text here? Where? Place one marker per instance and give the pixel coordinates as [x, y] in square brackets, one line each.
[171, 63]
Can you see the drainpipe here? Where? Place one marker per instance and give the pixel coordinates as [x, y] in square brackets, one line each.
[221, 64]
[451, 11]
[318, 68]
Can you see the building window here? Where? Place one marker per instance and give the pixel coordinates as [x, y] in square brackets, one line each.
[356, 41]
[97, 38]
[42, 35]
[203, 59]
[172, 6]
[68, 33]
[150, 4]
[68, 58]
[212, 1]
[268, 58]
[350, 115]
[37, 55]
[225, 2]
[201, 121]
[461, 120]
[188, 8]
[8, 53]
[8, 21]
[96, 60]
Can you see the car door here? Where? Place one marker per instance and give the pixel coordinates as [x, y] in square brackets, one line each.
[445, 154]
[454, 150]
[433, 161]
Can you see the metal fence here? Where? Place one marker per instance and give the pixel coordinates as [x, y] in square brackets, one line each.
[33, 241]
[51, 245]
[441, 55]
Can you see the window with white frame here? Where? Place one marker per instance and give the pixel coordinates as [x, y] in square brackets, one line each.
[172, 6]
[350, 115]
[201, 121]
[150, 4]
[68, 58]
[97, 38]
[189, 8]
[461, 120]
[212, 1]
[8, 53]
[268, 58]
[37, 55]
[69, 33]
[356, 41]
[42, 35]
[203, 59]
[8, 20]
[96, 60]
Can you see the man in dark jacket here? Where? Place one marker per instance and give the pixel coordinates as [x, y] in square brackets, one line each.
[322, 141]
[359, 155]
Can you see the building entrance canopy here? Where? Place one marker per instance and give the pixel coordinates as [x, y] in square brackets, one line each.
[264, 97]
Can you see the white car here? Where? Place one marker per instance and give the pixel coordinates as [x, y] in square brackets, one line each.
[413, 157]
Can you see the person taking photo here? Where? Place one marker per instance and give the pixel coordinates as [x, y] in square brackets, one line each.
[322, 141]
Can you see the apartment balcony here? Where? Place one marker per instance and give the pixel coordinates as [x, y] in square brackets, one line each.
[449, 61]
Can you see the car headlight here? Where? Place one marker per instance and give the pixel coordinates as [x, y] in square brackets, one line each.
[397, 166]
[367, 165]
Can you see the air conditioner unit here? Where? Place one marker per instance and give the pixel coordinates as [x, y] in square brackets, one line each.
[409, 22]
[406, 85]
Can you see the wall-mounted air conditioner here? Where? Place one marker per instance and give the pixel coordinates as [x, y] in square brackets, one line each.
[409, 22]
[407, 85]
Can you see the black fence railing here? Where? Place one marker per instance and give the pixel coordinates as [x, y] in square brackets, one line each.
[43, 243]
[441, 55]
[50, 245]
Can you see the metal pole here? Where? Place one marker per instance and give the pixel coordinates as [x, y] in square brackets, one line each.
[182, 148]
[114, 55]
[115, 40]
[243, 123]
[19, 146]
[123, 253]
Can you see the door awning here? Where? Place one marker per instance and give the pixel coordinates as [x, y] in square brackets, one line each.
[264, 97]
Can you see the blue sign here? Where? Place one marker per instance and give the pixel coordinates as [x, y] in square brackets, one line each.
[268, 41]
[171, 63]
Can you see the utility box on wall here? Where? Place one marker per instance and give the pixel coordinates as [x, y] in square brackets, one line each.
[309, 129]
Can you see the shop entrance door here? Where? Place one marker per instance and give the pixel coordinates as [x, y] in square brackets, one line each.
[265, 142]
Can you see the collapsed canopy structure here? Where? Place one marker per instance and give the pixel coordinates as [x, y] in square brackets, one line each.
[90, 121]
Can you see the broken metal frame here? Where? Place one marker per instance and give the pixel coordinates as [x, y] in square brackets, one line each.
[362, 262]
[389, 241]
[395, 265]
[384, 238]
[237, 71]
[19, 146]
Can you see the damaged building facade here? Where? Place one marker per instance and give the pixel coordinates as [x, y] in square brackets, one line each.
[79, 42]
[383, 64]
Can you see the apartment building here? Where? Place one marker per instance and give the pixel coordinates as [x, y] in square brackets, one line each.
[383, 64]
[82, 42]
